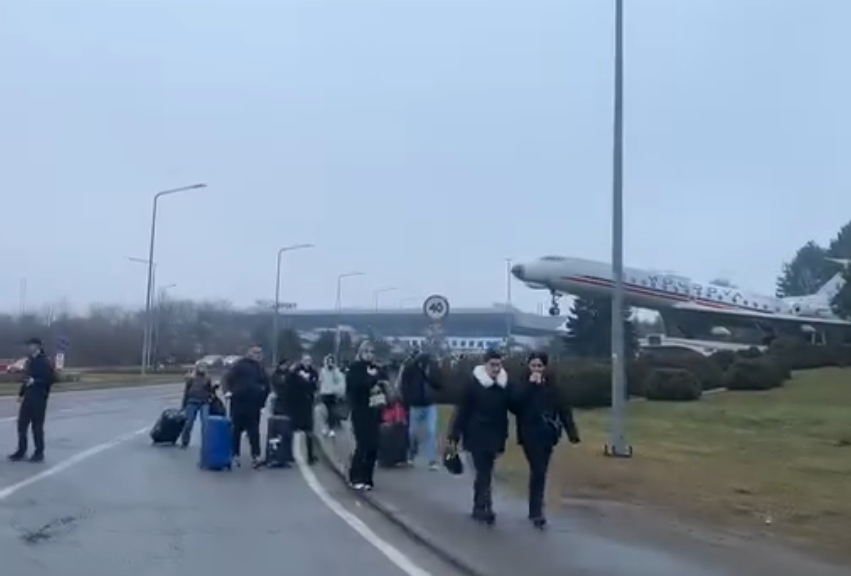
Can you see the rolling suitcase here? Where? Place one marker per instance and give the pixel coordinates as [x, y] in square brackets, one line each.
[216, 451]
[393, 437]
[168, 427]
[279, 442]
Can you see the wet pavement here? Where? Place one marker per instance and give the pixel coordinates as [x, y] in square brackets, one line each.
[589, 539]
[107, 502]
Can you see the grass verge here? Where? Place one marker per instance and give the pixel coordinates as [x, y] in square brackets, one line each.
[100, 381]
[776, 461]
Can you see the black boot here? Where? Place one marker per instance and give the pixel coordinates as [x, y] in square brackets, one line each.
[17, 456]
[538, 522]
[37, 457]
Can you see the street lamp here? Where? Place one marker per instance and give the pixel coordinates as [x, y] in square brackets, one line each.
[150, 289]
[146, 336]
[278, 296]
[617, 443]
[338, 306]
[509, 313]
[379, 292]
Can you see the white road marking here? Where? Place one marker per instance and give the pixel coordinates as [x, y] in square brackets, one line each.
[69, 462]
[403, 562]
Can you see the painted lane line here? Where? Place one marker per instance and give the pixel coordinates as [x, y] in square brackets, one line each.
[396, 556]
[69, 463]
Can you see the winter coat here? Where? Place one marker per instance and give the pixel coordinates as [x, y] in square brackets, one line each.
[199, 388]
[332, 382]
[419, 382]
[542, 415]
[40, 377]
[248, 384]
[366, 396]
[299, 397]
[481, 418]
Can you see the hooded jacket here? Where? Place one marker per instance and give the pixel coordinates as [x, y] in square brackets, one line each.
[481, 418]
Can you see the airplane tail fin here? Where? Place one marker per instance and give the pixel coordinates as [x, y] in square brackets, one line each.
[835, 284]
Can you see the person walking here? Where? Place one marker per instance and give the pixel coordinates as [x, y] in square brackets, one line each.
[332, 387]
[247, 386]
[299, 398]
[32, 398]
[542, 416]
[366, 397]
[480, 424]
[197, 395]
[419, 382]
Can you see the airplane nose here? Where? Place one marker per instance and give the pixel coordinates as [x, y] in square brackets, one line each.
[518, 271]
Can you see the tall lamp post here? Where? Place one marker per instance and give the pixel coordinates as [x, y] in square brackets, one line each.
[338, 307]
[618, 446]
[150, 290]
[146, 335]
[509, 313]
[377, 293]
[278, 297]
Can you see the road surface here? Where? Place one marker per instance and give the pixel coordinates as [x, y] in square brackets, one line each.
[106, 502]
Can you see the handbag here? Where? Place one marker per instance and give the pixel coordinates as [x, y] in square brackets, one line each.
[452, 460]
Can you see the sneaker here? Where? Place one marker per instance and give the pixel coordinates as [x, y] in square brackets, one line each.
[539, 522]
[410, 463]
[17, 456]
[256, 462]
[236, 463]
[331, 433]
[326, 432]
[37, 457]
[369, 486]
[359, 486]
[433, 466]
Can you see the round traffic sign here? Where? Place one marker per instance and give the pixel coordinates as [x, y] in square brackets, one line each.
[436, 307]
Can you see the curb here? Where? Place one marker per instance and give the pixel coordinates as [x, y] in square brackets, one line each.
[398, 519]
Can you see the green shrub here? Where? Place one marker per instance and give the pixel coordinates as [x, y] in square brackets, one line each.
[759, 374]
[672, 384]
[586, 385]
[708, 372]
[797, 354]
[724, 358]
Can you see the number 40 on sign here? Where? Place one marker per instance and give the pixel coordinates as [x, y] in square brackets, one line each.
[436, 307]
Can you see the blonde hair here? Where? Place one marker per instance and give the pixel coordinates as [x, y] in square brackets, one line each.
[363, 347]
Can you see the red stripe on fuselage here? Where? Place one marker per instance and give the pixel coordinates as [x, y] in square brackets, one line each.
[645, 291]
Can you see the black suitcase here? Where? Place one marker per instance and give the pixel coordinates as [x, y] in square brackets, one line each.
[168, 427]
[393, 444]
[279, 442]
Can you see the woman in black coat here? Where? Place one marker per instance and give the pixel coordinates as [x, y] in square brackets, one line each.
[481, 425]
[542, 417]
[366, 396]
[301, 382]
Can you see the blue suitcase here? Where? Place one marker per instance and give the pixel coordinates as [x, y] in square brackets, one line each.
[216, 444]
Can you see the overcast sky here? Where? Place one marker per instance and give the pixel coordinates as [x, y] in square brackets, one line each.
[419, 141]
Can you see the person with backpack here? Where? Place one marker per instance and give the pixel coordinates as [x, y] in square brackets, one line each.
[197, 395]
[542, 416]
[332, 387]
[247, 387]
[419, 382]
[367, 397]
[32, 398]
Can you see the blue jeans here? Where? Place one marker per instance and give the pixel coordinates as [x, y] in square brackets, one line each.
[424, 417]
[192, 410]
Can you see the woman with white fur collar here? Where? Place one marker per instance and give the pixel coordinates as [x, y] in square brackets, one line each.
[481, 424]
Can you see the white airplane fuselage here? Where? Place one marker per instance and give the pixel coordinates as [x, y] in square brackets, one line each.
[661, 290]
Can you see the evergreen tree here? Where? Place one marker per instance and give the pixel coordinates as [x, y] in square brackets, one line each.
[841, 303]
[806, 272]
[590, 329]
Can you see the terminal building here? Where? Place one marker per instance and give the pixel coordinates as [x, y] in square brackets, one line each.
[465, 330]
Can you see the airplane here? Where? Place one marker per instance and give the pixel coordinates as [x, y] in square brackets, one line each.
[675, 296]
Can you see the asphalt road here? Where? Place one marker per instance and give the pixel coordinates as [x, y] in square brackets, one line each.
[106, 502]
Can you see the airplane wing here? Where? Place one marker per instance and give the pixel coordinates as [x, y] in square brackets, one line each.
[740, 314]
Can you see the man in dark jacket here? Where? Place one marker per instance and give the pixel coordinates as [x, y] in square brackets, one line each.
[247, 386]
[298, 400]
[420, 381]
[481, 424]
[32, 397]
[197, 395]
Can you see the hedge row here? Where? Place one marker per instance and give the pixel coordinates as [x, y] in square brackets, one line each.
[670, 374]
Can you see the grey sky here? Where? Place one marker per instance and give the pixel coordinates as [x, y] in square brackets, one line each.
[421, 142]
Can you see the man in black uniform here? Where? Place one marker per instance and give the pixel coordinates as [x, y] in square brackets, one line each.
[32, 398]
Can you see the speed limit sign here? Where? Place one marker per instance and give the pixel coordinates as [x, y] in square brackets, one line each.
[436, 307]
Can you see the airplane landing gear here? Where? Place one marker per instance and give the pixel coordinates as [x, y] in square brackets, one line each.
[554, 309]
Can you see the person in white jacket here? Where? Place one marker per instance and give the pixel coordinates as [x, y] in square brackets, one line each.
[332, 388]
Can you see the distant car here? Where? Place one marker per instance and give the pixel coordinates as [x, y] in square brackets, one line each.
[212, 360]
[229, 361]
[17, 366]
